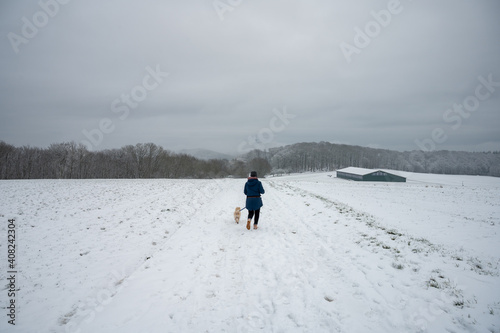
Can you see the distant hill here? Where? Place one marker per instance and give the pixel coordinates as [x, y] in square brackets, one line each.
[69, 160]
[325, 156]
[205, 154]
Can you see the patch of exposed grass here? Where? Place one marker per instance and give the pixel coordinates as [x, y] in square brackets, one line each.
[398, 265]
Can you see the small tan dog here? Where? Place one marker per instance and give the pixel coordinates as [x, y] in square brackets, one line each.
[237, 214]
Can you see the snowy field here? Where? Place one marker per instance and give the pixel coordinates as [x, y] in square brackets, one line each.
[330, 255]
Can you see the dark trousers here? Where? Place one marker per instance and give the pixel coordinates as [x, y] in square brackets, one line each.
[251, 213]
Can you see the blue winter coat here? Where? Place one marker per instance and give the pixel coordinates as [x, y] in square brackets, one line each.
[253, 190]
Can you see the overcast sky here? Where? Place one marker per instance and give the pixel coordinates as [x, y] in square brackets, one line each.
[220, 74]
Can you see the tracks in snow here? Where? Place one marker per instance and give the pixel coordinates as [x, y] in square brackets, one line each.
[422, 273]
[313, 265]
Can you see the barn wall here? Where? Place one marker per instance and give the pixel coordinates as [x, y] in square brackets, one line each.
[379, 176]
[383, 177]
[351, 176]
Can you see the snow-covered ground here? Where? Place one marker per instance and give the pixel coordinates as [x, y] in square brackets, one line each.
[330, 255]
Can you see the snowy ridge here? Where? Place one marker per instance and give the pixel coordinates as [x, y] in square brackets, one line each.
[330, 255]
[205, 154]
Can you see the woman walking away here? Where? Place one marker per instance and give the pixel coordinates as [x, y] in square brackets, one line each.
[253, 190]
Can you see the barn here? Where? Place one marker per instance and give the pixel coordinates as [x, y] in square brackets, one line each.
[369, 175]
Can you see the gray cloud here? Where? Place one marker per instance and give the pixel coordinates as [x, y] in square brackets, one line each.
[227, 76]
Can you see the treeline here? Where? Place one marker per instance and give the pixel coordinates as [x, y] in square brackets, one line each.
[325, 156]
[146, 160]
